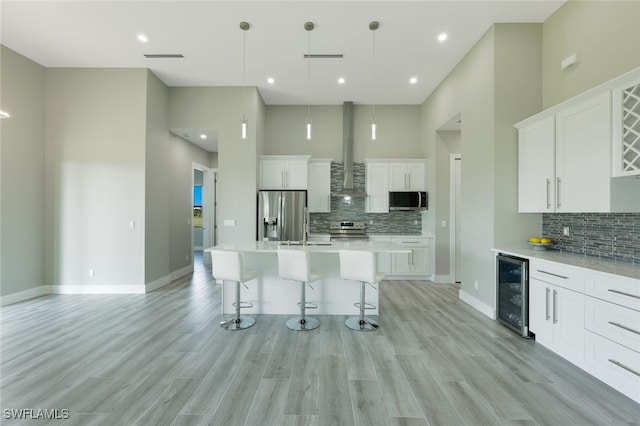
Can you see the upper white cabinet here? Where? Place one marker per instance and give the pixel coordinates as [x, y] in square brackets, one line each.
[283, 172]
[319, 188]
[407, 176]
[583, 149]
[626, 129]
[537, 166]
[377, 184]
[565, 157]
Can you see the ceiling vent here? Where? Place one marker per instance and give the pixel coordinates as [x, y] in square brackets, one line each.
[324, 56]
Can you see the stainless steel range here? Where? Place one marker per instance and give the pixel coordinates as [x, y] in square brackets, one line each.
[347, 231]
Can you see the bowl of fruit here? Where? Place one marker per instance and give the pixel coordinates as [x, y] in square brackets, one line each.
[540, 243]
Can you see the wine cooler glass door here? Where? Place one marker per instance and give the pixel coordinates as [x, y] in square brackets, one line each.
[512, 297]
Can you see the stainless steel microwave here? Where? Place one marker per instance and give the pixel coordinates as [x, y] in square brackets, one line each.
[408, 200]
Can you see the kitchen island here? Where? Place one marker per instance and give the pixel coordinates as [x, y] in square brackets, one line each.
[270, 294]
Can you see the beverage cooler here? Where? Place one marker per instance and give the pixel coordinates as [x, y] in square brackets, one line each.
[512, 286]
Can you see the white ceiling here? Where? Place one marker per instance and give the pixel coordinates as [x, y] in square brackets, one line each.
[104, 34]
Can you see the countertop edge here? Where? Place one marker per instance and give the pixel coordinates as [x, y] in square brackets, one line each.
[595, 264]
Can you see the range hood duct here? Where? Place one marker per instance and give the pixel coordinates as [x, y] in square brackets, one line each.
[347, 153]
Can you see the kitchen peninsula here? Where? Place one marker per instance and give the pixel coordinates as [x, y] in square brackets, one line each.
[270, 294]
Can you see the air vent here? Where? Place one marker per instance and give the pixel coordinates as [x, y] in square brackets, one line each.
[163, 55]
[324, 56]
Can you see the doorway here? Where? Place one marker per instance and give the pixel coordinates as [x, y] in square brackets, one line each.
[455, 180]
[203, 229]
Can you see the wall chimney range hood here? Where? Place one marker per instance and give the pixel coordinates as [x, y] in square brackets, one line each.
[347, 154]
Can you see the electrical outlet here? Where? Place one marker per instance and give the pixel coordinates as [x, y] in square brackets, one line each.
[444, 223]
[186, 257]
[91, 272]
[565, 231]
[475, 284]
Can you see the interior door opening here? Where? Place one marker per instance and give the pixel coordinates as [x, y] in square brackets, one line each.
[455, 168]
[203, 223]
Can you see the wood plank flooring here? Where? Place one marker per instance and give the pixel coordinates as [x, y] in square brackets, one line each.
[161, 358]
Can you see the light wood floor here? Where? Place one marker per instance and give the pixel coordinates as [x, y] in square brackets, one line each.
[161, 358]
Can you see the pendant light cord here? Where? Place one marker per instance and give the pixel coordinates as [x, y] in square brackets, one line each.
[373, 104]
[244, 73]
[309, 75]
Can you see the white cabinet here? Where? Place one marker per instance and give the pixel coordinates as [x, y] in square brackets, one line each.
[319, 186]
[407, 176]
[612, 339]
[536, 145]
[565, 160]
[283, 172]
[415, 263]
[556, 308]
[626, 129]
[583, 150]
[377, 184]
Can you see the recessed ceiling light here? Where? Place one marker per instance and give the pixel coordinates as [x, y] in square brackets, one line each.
[341, 80]
[203, 136]
[271, 80]
[142, 38]
[4, 114]
[413, 80]
[442, 37]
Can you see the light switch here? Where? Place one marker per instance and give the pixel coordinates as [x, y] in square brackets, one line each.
[444, 223]
[230, 222]
[132, 224]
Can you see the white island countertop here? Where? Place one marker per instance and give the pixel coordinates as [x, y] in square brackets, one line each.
[313, 247]
[609, 266]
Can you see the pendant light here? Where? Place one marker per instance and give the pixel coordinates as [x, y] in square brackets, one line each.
[373, 26]
[309, 26]
[244, 26]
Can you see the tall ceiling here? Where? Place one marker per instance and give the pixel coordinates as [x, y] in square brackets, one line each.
[207, 33]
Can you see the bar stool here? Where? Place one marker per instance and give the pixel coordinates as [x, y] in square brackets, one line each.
[227, 266]
[358, 265]
[294, 265]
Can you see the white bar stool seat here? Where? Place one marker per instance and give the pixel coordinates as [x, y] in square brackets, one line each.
[227, 266]
[359, 265]
[294, 265]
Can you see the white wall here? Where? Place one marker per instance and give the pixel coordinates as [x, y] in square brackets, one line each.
[95, 176]
[22, 91]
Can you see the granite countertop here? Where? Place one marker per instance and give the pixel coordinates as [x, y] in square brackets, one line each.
[625, 269]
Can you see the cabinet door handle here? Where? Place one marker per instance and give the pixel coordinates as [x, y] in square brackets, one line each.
[548, 199]
[546, 303]
[282, 178]
[558, 203]
[409, 180]
[621, 365]
[554, 275]
[624, 327]
[624, 294]
[555, 306]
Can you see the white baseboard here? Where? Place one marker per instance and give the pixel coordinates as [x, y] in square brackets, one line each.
[477, 304]
[20, 296]
[181, 272]
[444, 279]
[98, 289]
[156, 284]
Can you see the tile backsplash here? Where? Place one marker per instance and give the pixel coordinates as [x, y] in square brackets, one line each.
[353, 210]
[608, 235]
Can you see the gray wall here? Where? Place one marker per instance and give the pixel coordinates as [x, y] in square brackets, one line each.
[398, 131]
[157, 198]
[604, 34]
[476, 89]
[21, 173]
[95, 176]
[221, 108]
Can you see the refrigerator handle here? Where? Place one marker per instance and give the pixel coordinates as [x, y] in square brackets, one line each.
[305, 233]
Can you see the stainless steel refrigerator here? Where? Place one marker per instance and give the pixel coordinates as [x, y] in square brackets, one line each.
[282, 215]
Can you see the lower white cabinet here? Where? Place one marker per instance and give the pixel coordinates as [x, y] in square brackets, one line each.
[556, 316]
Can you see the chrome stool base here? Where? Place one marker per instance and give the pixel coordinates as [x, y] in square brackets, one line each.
[241, 324]
[367, 324]
[296, 323]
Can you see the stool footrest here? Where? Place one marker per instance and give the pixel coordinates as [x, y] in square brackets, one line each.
[244, 305]
[366, 305]
[309, 305]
